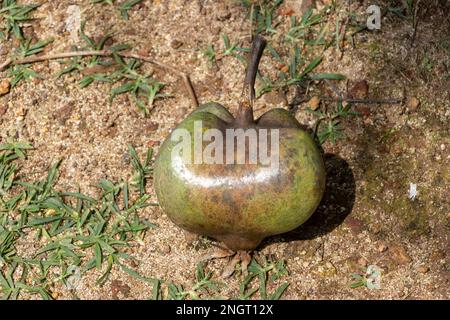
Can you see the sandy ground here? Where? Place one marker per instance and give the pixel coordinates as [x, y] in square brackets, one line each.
[366, 217]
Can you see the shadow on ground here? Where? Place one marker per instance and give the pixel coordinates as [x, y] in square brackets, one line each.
[335, 206]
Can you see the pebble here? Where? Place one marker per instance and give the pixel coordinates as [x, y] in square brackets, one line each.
[314, 103]
[413, 103]
[5, 85]
[175, 44]
[399, 255]
[144, 51]
[134, 263]
[275, 98]
[190, 237]
[382, 248]
[3, 109]
[359, 90]
[423, 269]
[166, 249]
[21, 112]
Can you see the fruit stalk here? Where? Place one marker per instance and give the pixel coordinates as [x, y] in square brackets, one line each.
[244, 117]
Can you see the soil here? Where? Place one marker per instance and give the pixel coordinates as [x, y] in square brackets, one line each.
[366, 217]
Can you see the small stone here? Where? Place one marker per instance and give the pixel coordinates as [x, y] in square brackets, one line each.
[401, 293]
[314, 103]
[438, 254]
[296, 7]
[412, 104]
[21, 112]
[275, 98]
[5, 85]
[382, 248]
[151, 143]
[133, 263]
[3, 109]
[326, 270]
[175, 44]
[359, 90]
[442, 147]
[190, 237]
[165, 249]
[423, 269]
[117, 287]
[63, 114]
[144, 52]
[384, 266]
[368, 122]
[399, 255]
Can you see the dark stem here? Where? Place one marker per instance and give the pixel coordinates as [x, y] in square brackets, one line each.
[245, 113]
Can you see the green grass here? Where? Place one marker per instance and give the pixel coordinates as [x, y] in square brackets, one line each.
[205, 287]
[124, 75]
[229, 49]
[71, 229]
[295, 50]
[263, 273]
[12, 15]
[328, 122]
[143, 88]
[23, 72]
[284, 49]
